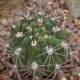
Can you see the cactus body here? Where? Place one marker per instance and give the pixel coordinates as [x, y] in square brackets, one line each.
[37, 44]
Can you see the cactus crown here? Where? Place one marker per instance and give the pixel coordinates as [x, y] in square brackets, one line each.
[37, 44]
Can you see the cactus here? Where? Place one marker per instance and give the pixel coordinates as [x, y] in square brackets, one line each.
[37, 44]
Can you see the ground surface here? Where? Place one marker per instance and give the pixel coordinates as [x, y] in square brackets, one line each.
[73, 25]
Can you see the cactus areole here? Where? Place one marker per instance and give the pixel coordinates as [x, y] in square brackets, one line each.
[37, 45]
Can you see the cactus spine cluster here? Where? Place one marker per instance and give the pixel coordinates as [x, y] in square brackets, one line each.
[37, 44]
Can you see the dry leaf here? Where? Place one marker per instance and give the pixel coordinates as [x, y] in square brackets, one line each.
[66, 14]
[1, 40]
[71, 78]
[1, 66]
[77, 21]
[4, 77]
[78, 60]
[63, 25]
[5, 22]
[50, 2]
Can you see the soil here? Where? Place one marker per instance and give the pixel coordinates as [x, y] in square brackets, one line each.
[73, 25]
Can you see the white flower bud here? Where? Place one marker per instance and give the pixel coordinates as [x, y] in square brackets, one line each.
[28, 17]
[34, 43]
[28, 28]
[41, 13]
[55, 29]
[13, 26]
[40, 20]
[19, 34]
[52, 18]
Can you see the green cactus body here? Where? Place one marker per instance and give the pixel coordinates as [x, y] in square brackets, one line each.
[36, 45]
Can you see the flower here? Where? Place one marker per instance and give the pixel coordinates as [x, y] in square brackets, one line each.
[52, 18]
[41, 13]
[55, 29]
[29, 28]
[28, 17]
[19, 34]
[13, 26]
[34, 66]
[34, 43]
[40, 20]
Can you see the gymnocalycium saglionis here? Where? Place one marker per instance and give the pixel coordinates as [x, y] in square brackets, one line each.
[37, 44]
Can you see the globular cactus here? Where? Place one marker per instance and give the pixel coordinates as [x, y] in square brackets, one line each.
[37, 44]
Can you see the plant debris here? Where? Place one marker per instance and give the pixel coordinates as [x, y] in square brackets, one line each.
[59, 11]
